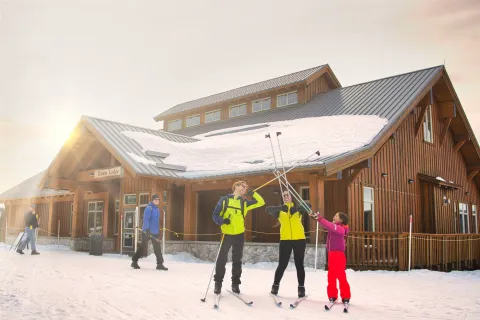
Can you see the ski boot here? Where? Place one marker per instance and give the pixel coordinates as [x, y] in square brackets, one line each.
[160, 266]
[275, 288]
[135, 265]
[218, 288]
[301, 291]
[235, 288]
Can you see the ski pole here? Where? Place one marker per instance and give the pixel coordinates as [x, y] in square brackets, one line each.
[218, 253]
[295, 194]
[275, 160]
[148, 235]
[283, 174]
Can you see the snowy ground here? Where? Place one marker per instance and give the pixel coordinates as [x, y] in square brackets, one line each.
[61, 284]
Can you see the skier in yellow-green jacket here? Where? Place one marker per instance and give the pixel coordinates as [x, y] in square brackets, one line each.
[230, 213]
[292, 238]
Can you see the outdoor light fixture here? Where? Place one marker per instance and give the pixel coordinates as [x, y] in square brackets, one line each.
[384, 175]
[410, 181]
[467, 193]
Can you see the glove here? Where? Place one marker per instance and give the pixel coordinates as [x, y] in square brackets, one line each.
[285, 208]
[226, 221]
[293, 210]
[250, 193]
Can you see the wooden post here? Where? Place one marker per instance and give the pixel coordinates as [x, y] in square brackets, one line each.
[51, 220]
[168, 222]
[313, 190]
[190, 213]
[78, 212]
[106, 206]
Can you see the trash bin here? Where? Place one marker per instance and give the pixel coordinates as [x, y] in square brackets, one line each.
[96, 244]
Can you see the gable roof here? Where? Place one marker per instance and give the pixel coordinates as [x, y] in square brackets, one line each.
[288, 79]
[28, 189]
[386, 98]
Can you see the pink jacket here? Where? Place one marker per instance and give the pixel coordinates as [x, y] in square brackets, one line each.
[336, 235]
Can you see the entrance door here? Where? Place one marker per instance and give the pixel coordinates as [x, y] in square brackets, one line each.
[128, 232]
[428, 208]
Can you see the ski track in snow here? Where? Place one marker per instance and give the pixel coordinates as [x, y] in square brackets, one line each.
[62, 284]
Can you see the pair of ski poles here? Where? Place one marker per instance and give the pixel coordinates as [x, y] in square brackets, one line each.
[288, 186]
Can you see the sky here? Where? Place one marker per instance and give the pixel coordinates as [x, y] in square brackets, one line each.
[128, 61]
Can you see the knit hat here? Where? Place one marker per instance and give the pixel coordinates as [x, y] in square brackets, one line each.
[155, 196]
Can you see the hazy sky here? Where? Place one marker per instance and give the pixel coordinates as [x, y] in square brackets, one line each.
[129, 60]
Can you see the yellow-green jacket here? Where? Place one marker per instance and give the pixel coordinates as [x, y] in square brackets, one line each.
[235, 210]
[291, 227]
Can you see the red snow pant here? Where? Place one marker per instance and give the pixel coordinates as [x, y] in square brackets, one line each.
[337, 263]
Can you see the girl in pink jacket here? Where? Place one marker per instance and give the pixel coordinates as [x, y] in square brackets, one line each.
[337, 262]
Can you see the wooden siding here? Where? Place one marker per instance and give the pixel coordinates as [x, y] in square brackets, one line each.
[402, 158]
[316, 87]
[62, 213]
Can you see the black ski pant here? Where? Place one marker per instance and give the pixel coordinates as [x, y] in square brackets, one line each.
[236, 242]
[285, 250]
[156, 248]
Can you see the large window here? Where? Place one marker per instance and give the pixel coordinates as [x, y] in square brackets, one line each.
[238, 110]
[115, 218]
[95, 217]
[261, 105]
[427, 125]
[474, 215]
[287, 99]
[193, 120]
[464, 225]
[175, 125]
[212, 116]
[368, 209]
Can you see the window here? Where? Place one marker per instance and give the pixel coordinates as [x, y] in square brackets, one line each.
[95, 217]
[115, 217]
[287, 99]
[474, 215]
[193, 120]
[130, 199]
[212, 116]
[239, 110]
[261, 105]
[368, 210]
[174, 125]
[464, 225]
[427, 125]
[143, 203]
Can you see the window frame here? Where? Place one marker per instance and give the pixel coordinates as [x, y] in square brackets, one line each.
[214, 111]
[475, 215]
[262, 100]
[95, 211]
[427, 119]
[237, 106]
[171, 121]
[286, 94]
[463, 213]
[372, 201]
[190, 117]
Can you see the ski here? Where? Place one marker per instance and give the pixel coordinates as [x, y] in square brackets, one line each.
[278, 303]
[248, 303]
[297, 302]
[345, 307]
[329, 305]
[217, 301]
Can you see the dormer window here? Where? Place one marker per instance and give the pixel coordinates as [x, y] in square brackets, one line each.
[287, 99]
[193, 120]
[212, 116]
[174, 125]
[238, 110]
[260, 105]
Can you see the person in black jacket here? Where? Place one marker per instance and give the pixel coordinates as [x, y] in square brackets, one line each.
[31, 223]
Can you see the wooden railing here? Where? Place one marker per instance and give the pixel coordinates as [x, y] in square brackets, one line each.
[390, 251]
[372, 250]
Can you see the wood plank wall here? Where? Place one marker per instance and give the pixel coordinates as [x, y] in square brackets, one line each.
[402, 158]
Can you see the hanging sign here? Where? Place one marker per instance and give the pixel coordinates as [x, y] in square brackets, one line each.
[110, 172]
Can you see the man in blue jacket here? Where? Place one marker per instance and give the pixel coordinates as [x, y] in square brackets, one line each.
[151, 231]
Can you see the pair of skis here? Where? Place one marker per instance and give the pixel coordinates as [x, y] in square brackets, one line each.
[237, 295]
[293, 305]
[331, 304]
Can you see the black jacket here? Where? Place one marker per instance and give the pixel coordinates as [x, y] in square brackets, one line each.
[31, 220]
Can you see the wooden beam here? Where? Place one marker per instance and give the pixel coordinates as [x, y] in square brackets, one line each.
[313, 190]
[354, 174]
[52, 218]
[446, 125]
[57, 183]
[78, 212]
[364, 164]
[458, 145]
[473, 167]
[420, 119]
[472, 174]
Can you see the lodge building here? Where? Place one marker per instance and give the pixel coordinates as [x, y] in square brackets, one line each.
[425, 163]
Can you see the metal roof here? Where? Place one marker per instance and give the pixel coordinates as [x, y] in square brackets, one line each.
[28, 189]
[288, 79]
[110, 132]
[385, 98]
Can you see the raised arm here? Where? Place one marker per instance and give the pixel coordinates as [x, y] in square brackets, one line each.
[255, 203]
[335, 228]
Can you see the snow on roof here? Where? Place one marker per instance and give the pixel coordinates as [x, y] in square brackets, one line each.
[249, 151]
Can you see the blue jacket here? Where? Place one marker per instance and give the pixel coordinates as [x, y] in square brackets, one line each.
[151, 219]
